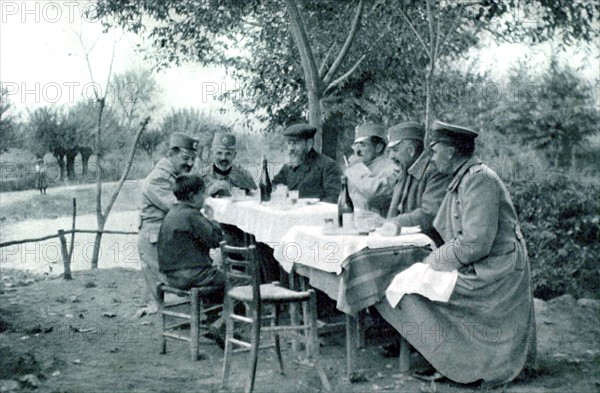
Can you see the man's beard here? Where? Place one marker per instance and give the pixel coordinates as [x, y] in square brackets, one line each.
[295, 159]
[223, 164]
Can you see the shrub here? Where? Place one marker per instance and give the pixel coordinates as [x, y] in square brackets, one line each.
[560, 219]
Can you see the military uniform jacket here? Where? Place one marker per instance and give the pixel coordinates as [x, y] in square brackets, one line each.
[185, 239]
[317, 176]
[157, 198]
[235, 176]
[486, 331]
[371, 187]
[418, 196]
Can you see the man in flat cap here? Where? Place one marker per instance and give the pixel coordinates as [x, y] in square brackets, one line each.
[223, 175]
[158, 198]
[372, 176]
[489, 316]
[419, 192]
[311, 173]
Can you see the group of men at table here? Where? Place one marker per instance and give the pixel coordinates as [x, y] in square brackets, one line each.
[485, 333]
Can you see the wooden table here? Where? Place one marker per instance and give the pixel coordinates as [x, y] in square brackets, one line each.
[350, 269]
[354, 271]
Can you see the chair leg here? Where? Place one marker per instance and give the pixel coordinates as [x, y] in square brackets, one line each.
[293, 283]
[195, 323]
[160, 297]
[229, 326]
[276, 316]
[312, 336]
[255, 312]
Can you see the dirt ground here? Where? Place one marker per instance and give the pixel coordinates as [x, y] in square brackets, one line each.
[89, 335]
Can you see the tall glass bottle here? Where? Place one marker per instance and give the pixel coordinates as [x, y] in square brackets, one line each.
[345, 207]
[265, 182]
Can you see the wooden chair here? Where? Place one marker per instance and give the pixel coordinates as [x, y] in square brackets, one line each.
[196, 318]
[241, 266]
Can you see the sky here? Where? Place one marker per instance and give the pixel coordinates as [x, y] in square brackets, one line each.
[41, 60]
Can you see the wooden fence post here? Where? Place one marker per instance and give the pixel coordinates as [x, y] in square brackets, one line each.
[73, 233]
[65, 255]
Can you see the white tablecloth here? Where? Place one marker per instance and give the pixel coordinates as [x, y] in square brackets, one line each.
[267, 222]
[307, 245]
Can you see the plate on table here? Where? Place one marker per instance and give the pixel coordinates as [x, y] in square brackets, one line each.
[308, 201]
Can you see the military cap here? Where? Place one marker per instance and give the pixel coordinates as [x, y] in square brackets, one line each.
[443, 132]
[183, 141]
[365, 131]
[225, 141]
[300, 131]
[406, 130]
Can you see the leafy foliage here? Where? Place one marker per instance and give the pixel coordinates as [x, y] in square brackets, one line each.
[560, 219]
[554, 112]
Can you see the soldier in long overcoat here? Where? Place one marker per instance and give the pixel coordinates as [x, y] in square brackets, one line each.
[486, 331]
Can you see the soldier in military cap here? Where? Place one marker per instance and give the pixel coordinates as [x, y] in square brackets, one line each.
[224, 174]
[371, 175]
[420, 190]
[158, 198]
[483, 242]
[311, 173]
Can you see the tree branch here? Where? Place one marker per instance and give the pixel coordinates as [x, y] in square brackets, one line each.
[450, 31]
[416, 33]
[349, 39]
[325, 60]
[345, 76]
[115, 193]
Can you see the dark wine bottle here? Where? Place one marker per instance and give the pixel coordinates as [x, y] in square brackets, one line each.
[345, 207]
[265, 182]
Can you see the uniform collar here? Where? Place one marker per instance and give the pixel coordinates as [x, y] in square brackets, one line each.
[166, 165]
[417, 169]
[461, 170]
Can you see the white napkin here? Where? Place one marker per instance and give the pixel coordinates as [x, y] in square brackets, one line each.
[422, 279]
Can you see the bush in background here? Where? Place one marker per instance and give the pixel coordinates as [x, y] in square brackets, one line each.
[560, 219]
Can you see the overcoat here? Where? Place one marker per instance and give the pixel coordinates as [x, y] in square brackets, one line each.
[418, 196]
[157, 199]
[486, 331]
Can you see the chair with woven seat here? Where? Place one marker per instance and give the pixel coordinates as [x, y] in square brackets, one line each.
[197, 318]
[242, 285]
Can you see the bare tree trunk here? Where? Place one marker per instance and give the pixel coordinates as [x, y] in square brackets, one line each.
[311, 73]
[86, 153]
[315, 84]
[71, 164]
[100, 219]
[60, 159]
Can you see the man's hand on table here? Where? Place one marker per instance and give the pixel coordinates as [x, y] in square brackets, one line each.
[219, 186]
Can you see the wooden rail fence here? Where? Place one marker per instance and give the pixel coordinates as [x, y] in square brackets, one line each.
[61, 235]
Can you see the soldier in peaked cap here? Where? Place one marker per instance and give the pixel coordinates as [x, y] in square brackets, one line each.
[420, 190]
[223, 174]
[371, 174]
[158, 198]
[483, 242]
[311, 173]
